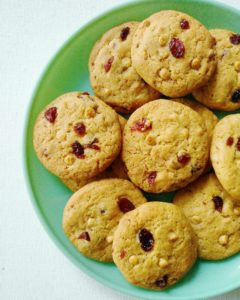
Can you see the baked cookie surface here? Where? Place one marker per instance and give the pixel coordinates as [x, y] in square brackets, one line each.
[92, 214]
[165, 146]
[173, 53]
[214, 216]
[112, 76]
[223, 89]
[154, 245]
[77, 136]
[225, 154]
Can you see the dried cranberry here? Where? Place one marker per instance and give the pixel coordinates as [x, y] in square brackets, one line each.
[124, 33]
[230, 141]
[122, 254]
[162, 283]
[78, 150]
[93, 145]
[146, 239]
[184, 158]
[51, 114]
[184, 24]
[85, 93]
[236, 96]
[177, 48]
[142, 125]
[151, 177]
[108, 64]
[80, 129]
[238, 144]
[235, 39]
[84, 236]
[125, 205]
[218, 203]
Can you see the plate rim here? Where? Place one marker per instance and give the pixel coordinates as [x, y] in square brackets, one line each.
[26, 173]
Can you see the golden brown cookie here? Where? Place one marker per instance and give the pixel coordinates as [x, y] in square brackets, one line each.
[225, 154]
[112, 75]
[165, 146]
[154, 246]
[77, 136]
[214, 216]
[92, 215]
[173, 53]
[223, 90]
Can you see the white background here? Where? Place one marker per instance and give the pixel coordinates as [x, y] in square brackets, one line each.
[31, 267]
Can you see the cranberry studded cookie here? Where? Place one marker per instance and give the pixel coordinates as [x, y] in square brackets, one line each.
[173, 53]
[223, 90]
[165, 146]
[154, 246]
[93, 213]
[225, 154]
[214, 216]
[112, 76]
[77, 136]
[116, 170]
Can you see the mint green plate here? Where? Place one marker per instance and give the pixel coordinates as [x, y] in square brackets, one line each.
[68, 71]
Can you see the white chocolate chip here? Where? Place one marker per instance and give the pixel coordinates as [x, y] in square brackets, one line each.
[172, 236]
[223, 240]
[133, 260]
[90, 221]
[163, 263]
[126, 62]
[164, 74]
[109, 239]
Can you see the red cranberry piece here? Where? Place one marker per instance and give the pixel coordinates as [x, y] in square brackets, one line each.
[93, 145]
[238, 144]
[177, 48]
[124, 33]
[80, 129]
[125, 205]
[230, 141]
[218, 203]
[122, 254]
[184, 158]
[235, 39]
[78, 150]
[108, 64]
[162, 283]
[146, 239]
[84, 236]
[85, 93]
[142, 125]
[51, 114]
[184, 24]
[236, 96]
[151, 177]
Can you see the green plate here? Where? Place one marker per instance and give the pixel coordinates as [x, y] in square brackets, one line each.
[68, 71]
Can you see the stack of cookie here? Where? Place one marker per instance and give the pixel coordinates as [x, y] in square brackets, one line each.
[164, 146]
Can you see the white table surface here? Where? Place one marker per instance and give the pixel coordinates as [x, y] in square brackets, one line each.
[31, 266]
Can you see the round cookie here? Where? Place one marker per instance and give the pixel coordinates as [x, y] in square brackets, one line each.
[225, 154]
[222, 91]
[115, 170]
[214, 216]
[112, 75]
[92, 214]
[165, 146]
[77, 136]
[173, 53]
[154, 246]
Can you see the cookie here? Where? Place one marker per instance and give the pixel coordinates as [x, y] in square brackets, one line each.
[154, 246]
[214, 216]
[209, 118]
[93, 213]
[225, 154]
[165, 146]
[115, 170]
[173, 53]
[222, 91]
[112, 76]
[77, 136]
